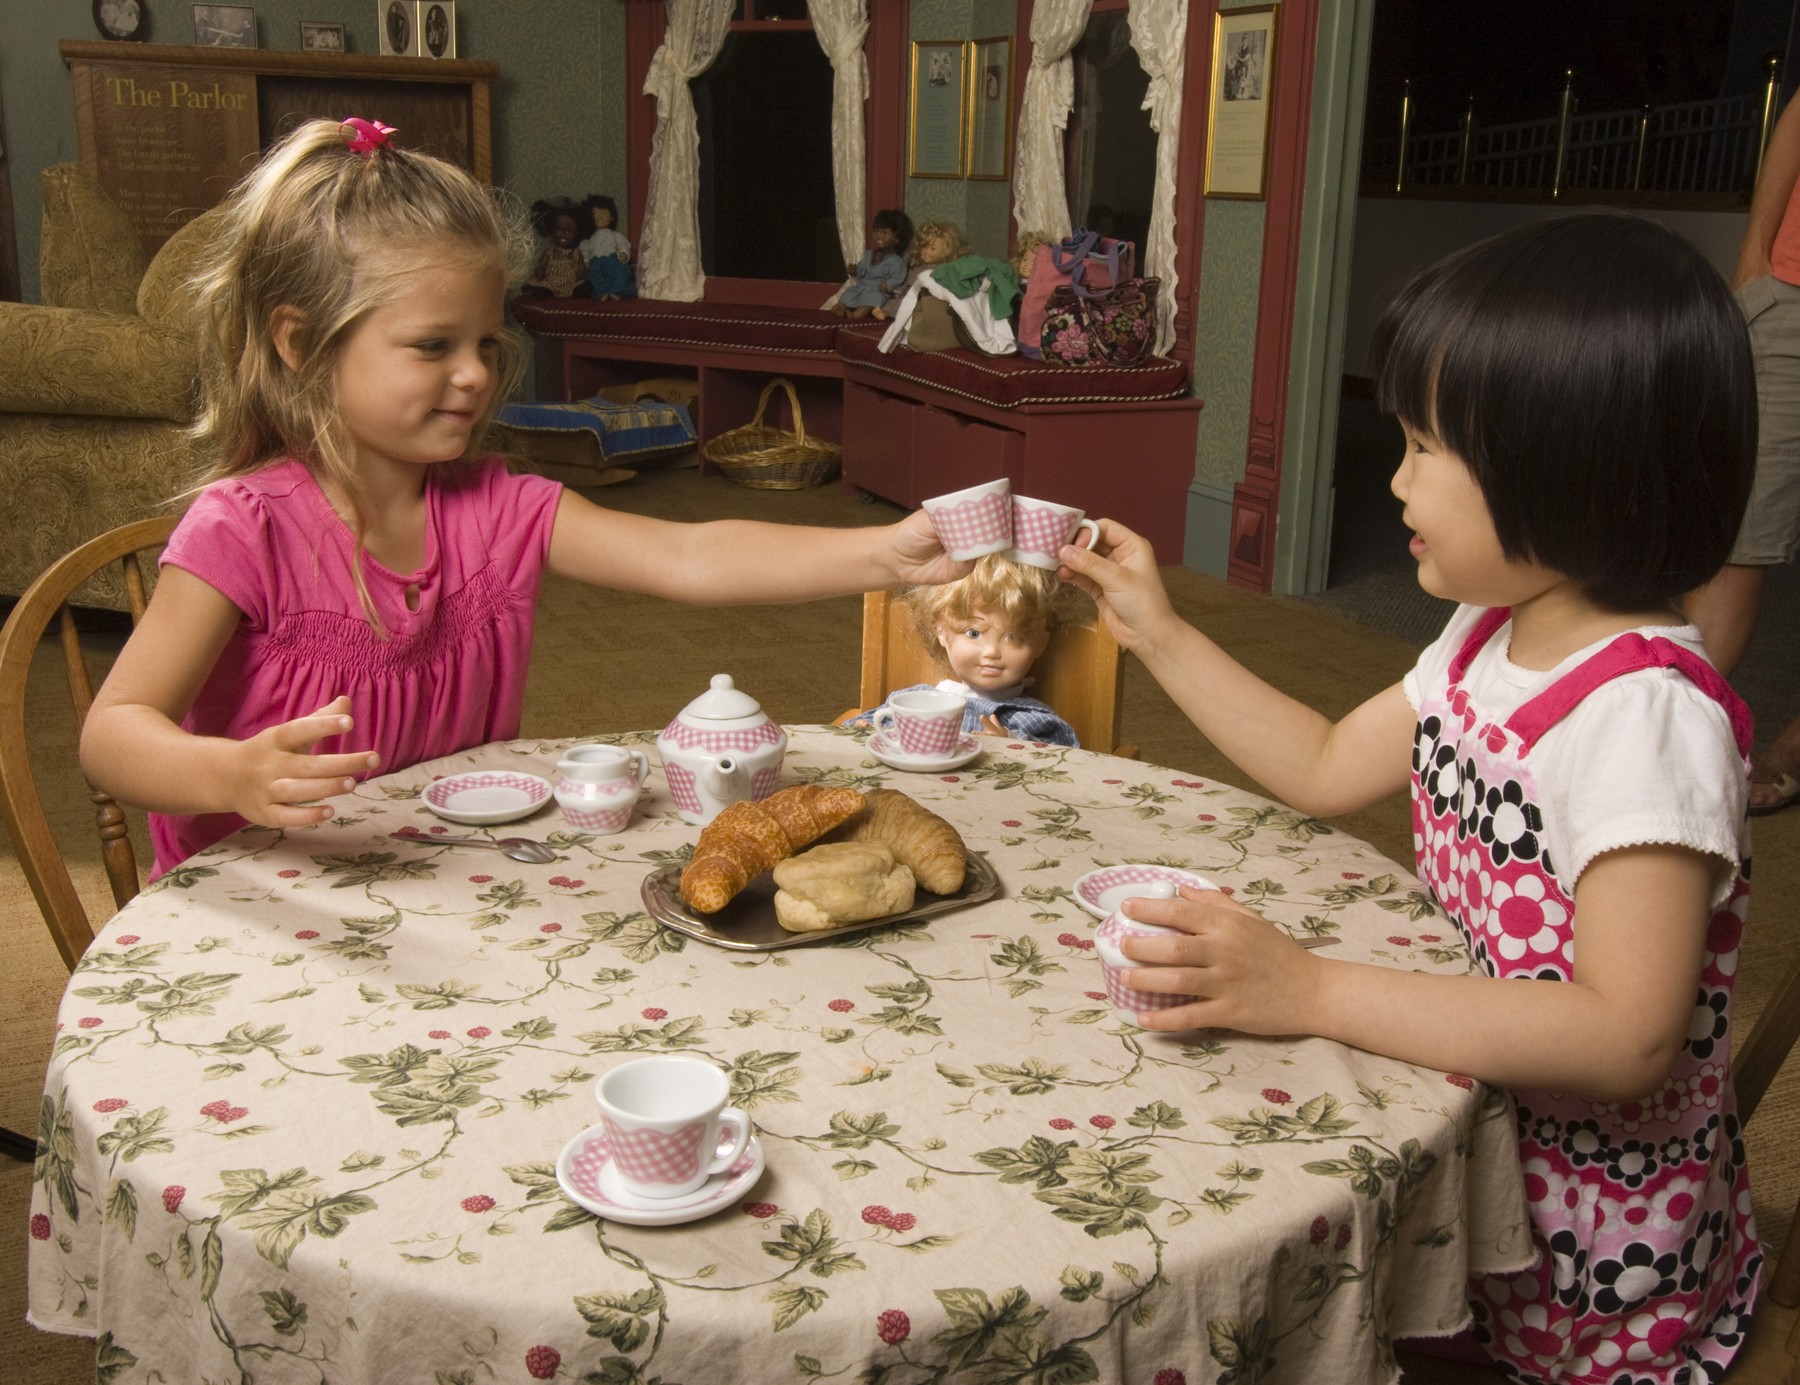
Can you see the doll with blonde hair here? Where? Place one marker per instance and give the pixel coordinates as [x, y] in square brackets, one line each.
[986, 631]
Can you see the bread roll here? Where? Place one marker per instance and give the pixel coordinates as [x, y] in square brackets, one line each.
[840, 882]
[921, 841]
[748, 837]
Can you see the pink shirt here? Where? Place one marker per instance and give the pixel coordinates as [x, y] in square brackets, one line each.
[448, 675]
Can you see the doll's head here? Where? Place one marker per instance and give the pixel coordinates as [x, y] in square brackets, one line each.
[598, 214]
[938, 242]
[1025, 249]
[558, 222]
[891, 230]
[991, 626]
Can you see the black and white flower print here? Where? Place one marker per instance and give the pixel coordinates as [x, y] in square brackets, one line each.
[1636, 1274]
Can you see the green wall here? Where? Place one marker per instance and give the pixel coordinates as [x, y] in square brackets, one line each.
[559, 109]
[982, 209]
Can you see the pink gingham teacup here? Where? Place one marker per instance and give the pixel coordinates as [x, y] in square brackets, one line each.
[1116, 969]
[974, 521]
[668, 1128]
[924, 721]
[1041, 527]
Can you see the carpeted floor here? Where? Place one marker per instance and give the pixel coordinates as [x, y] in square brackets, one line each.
[607, 662]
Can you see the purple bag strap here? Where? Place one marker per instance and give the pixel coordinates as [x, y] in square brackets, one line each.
[1084, 243]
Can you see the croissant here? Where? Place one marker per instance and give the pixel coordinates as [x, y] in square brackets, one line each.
[921, 840]
[748, 837]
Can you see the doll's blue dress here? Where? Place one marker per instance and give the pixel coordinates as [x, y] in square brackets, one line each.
[874, 281]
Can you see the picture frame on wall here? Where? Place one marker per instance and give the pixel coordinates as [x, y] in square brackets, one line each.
[224, 26]
[991, 109]
[321, 38]
[1240, 98]
[936, 147]
[397, 22]
[437, 28]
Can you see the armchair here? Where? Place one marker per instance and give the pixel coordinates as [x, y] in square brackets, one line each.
[97, 384]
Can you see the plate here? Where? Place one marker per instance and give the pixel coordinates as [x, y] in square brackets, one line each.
[748, 923]
[486, 795]
[581, 1169]
[883, 747]
[1101, 892]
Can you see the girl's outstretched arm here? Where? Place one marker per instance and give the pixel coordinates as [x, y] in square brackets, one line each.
[741, 562]
[133, 746]
[1610, 1033]
[1299, 755]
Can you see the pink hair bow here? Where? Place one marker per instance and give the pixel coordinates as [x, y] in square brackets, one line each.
[365, 136]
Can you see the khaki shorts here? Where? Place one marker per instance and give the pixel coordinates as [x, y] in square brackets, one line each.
[1770, 532]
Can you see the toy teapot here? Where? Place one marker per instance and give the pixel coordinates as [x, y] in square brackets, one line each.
[1116, 968]
[720, 748]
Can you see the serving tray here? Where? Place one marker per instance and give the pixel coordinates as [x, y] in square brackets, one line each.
[748, 923]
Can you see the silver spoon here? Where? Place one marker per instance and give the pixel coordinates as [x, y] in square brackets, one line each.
[519, 848]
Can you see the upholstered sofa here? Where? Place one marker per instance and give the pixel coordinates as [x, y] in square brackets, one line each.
[97, 383]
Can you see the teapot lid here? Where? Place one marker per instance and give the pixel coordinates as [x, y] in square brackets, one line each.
[722, 702]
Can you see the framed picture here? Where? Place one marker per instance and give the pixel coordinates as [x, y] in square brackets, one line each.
[321, 38]
[120, 19]
[940, 74]
[991, 109]
[437, 28]
[224, 26]
[1241, 96]
[397, 21]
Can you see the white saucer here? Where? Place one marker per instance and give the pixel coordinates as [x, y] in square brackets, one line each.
[486, 796]
[583, 1169]
[883, 748]
[1101, 892]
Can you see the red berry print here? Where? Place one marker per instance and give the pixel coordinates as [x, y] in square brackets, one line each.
[559, 880]
[893, 1327]
[1168, 1375]
[655, 1012]
[480, 1031]
[172, 1196]
[307, 933]
[40, 1227]
[1321, 1228]
[903, 1221]
[1112, 781]
[1205, 817]
[480, 879]
[111, 1104]
[1095, 995]
[575, 884]
[1069, 939]
[876, 1215]
[1399, 940]
[1343, 1237]
[223, 1110]
[760, 1209]
[1011, 822]
[439, 1034]
[1102, 1122]
[1456, 1079]
[549, 928]
[90, 1021]
[951, 778]
[409, 830]
[1430, 938]
[287, 874]
[1227, 890]
[541, 1362]
[1276, 1096]
[439, 831]
[480, 1202]
[233, 1113]
[842, 1006]
[126, 939]
[1353, 875]
[1061, 1123]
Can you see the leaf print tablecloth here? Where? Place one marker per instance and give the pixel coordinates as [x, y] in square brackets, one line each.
[308, 1091]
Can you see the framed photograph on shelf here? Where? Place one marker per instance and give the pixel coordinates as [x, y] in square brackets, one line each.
[437, 28]
[119, 19]
[990, 109]
[224, 26]
[1239, 101]
[321, 38]
[940, 74]
[397, 21]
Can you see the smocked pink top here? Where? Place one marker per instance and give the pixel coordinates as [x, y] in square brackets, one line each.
[448, 675]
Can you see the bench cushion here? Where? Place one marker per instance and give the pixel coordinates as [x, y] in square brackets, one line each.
[1010, 382]
[735, 326]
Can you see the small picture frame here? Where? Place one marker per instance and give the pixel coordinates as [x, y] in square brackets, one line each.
[1240, 100]
[224, 26]
[321, 38]
[397, 21]
[990, 109]
[936, 147]
[437, 28]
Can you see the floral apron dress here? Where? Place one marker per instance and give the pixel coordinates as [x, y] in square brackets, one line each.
[1648, 1251]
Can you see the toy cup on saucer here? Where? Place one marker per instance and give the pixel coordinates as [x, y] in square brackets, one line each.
[667, 1125]
[1116, 968]
[924, 722]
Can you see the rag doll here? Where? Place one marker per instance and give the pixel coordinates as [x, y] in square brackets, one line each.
[608, 252]
[561, 271]
[876, 278]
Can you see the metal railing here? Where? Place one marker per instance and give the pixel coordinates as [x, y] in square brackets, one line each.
[1696, 148]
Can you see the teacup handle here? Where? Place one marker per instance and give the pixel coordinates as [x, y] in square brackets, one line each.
[725, 1156]
[883, 720]
[1093, 533]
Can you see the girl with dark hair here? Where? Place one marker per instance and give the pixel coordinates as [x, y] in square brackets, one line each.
[1579, 412]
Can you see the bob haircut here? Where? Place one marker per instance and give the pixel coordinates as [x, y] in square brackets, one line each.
[1594, 373]
[1027, 599]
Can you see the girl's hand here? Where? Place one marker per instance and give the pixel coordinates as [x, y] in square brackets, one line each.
[918, 553]
[1247, 974]
[276, 777]
[1119, 572]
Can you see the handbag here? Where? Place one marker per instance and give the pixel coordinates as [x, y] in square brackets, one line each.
[932, 326]
[1086, 258]
[1112, 327]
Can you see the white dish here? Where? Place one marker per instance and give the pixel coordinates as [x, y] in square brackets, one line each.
[883, 747]
[485, 796]
[583, 1169]
[1101, 892]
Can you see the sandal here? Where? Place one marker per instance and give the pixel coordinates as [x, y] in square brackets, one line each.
[1785, 785]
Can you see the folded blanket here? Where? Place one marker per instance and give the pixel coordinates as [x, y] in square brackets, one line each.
[624, 430]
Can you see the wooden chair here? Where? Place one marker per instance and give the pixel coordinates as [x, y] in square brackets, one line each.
[45, 600]
[1080, 675]
[1771, 1353]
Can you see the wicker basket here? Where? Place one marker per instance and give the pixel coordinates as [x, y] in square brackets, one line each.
[773, 459]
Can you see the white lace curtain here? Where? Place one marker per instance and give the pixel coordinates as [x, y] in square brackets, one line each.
[1040, 199]
[842, 26]
[669, 249]
[1159, 33]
